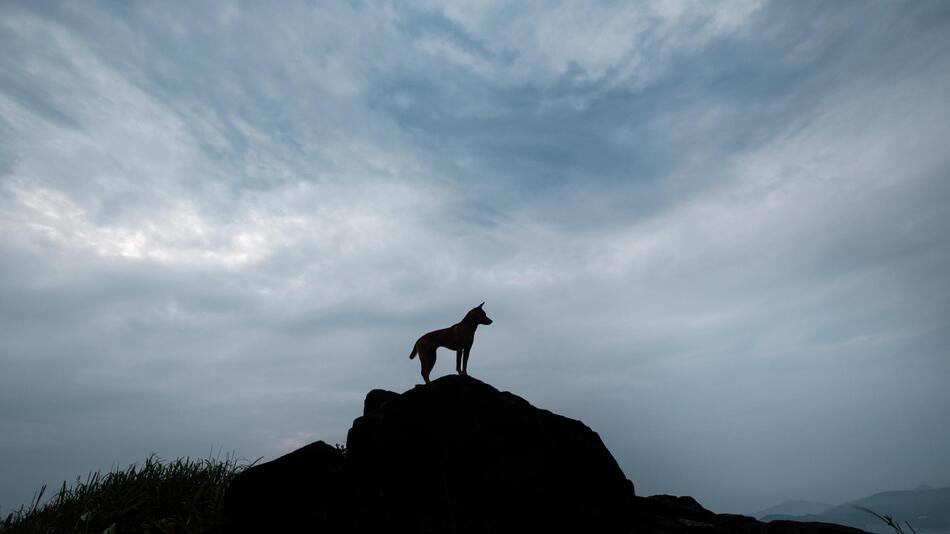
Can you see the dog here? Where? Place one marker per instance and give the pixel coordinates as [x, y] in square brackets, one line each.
[458, 337]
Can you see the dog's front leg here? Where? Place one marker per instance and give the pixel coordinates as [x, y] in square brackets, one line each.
[465, 361]
[458, 361]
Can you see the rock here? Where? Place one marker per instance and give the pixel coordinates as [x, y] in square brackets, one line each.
[666, 514]
[376, 398]
[304, 487]
[458, 456]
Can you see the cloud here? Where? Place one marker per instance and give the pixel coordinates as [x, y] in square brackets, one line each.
[536, 43]
[713, 233]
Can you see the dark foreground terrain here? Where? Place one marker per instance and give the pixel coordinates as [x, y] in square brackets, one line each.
[459, 456]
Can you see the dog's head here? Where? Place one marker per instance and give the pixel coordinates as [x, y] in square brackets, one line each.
[478, 315]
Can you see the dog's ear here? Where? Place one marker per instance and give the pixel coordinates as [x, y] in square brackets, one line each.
[482, 304]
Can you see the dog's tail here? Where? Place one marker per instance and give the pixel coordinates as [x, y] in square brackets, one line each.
[415, 349]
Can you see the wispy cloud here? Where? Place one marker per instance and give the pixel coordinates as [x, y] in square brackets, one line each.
[713, 232]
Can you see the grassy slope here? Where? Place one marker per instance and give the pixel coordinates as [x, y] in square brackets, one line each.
[184, 495]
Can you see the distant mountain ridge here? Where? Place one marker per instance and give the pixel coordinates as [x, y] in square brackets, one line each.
[925, 509]
[794, 507]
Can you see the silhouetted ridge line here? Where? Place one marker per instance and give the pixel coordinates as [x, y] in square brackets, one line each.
[457, 455]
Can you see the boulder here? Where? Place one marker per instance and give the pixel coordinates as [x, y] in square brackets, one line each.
[457, 455]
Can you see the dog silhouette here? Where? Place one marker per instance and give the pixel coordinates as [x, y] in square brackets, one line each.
[458, 337]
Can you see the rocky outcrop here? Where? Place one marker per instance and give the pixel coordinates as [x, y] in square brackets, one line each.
[459, 456]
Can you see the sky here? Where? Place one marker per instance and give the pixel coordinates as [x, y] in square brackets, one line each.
[714, 232]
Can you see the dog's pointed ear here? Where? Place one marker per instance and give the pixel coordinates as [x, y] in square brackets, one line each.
[482, 304]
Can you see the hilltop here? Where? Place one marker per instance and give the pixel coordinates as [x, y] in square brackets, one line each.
[458, 455]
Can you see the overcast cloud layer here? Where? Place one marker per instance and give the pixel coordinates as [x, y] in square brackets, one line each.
[716, 233]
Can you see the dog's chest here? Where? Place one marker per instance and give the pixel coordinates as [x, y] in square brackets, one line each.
[461, 337]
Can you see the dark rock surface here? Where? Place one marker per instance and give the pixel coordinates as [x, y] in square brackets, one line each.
[669, 514]
[304, 487]
[459, 456]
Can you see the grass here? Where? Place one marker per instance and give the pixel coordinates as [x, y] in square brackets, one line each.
[184, 495]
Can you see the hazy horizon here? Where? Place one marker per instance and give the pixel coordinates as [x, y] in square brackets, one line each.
[713, 232]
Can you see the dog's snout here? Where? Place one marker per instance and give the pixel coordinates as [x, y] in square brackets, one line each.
[487, 320]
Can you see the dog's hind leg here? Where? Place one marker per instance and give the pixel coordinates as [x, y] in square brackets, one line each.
[427, 358]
